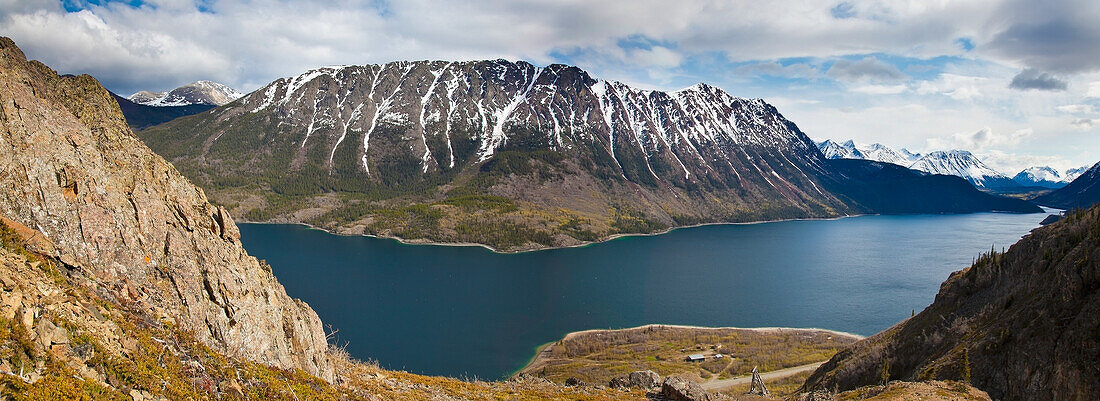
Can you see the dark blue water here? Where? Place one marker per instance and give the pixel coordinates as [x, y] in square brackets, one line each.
[468, 312]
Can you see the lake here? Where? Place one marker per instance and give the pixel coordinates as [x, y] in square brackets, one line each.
[468, 312]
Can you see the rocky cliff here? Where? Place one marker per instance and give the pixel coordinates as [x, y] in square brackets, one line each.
[117, 213]
[1020, 325]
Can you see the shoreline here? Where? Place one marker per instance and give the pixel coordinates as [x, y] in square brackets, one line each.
[580, 245]
[541, 348]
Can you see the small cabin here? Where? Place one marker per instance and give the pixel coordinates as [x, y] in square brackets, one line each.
[696, 358]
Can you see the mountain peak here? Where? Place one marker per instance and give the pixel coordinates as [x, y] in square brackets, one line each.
[198, 92]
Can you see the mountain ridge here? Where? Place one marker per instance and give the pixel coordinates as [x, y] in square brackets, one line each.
[1020, 324]
[959, 163]
[196, 93]
[1082, 192]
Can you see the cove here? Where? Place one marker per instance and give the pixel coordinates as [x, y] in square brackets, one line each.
[471, 313]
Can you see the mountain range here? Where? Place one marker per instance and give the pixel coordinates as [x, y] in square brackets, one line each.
[953, 162]
[877, 152]
[1081, 193]
[499, 153]
[195, 93]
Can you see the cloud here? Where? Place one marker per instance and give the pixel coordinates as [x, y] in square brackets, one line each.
[1034, 79]
[979, 140]
[958, 87]
[880, 89]
[868, 68]
[1094, 91]
[1012, 163]
[776, 69]
[1076, 108]
[1084, 123]
[1055, 35]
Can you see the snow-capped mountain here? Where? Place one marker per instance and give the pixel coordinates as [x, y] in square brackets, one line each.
[1043, 176]
[200, 92]
[1073, 173]
[963, 164]
[955, 162]
[1082, 193]
[403, 124]
[875, 151]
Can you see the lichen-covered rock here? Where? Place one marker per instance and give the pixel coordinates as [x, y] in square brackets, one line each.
[71, 169]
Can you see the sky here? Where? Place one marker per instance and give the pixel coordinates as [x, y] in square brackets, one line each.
[1017, 82]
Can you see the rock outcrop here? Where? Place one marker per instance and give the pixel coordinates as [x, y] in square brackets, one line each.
[110, 208]
[642, 379]
[677, 389]
[1019, 325]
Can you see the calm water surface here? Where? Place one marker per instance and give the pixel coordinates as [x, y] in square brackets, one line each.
[468, 312]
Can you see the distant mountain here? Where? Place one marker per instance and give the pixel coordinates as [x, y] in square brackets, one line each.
[876, 152]
[1073, 173]
[199, 92]
[963, 164]
[140, 116]
[956, 162]
[891, 189]
[1040, 177]
[1082, 193]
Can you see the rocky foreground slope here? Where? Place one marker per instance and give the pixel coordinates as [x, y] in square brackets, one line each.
[119, 214]
[1021, 325]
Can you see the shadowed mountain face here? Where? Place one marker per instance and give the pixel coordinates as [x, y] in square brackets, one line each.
[1020, 325]
[1083, 192]
[539, 156]
[891, 189]
[140, 116]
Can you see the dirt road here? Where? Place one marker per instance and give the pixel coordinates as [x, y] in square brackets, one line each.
[717, 385]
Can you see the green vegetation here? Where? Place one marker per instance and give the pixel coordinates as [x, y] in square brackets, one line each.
[625, 220]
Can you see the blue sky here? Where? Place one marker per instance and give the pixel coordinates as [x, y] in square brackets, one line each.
[1017, 82]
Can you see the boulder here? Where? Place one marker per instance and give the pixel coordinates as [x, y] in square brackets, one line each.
[677, 389]
[641, 379]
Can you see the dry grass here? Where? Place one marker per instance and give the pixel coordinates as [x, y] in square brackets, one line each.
[597, 356]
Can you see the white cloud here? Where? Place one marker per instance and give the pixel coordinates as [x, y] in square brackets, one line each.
[979, 140]
[1012, 163]
[959, 87]
[1094, 91]
[1084, 123]
[880, 89]
[1076, 108]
